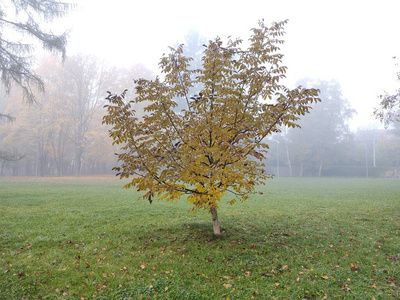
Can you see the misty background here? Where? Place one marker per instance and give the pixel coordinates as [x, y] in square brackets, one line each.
[346, 49]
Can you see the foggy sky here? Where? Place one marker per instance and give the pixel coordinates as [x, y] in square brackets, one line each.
[350, 41]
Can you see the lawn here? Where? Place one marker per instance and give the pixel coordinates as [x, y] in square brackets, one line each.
[304, 238]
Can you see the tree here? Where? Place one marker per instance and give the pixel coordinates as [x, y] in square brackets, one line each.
[389, 110]
[71, 110]
[315, 143]
[215, 145]
[194, 45]
[15, 56]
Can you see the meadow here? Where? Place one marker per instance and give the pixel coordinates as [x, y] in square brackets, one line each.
[304, 238]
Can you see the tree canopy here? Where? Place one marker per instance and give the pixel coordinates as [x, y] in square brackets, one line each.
[21, 24]
[322, 131]
[216, 144]
[389, 110]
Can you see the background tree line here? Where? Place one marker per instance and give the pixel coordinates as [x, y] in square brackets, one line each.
[325, 146]
[63, 135]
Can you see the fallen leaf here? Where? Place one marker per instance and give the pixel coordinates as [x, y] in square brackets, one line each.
[354, 267]
[345, 288]
[227, 285]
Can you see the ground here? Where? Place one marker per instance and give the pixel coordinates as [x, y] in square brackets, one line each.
[304, 238]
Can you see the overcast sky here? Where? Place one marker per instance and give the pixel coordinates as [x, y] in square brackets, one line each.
[350, 41]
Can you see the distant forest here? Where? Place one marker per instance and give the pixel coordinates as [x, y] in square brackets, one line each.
[62, 134]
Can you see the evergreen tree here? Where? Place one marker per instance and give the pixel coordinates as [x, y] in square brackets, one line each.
[21, 24]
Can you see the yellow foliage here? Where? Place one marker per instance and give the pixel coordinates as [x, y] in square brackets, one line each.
[215, 145]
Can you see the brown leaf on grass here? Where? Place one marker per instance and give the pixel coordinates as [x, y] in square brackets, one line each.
[354, 267]
[345, 287]
[284, 268]
[394, 258]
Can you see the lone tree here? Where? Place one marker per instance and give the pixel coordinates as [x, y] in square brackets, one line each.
[389, 110]
[215, 145]
[21, 22]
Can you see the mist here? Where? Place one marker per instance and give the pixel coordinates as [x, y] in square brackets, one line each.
[327, 47]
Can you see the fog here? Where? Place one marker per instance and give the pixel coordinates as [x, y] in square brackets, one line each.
[344, 48]
[351, 42]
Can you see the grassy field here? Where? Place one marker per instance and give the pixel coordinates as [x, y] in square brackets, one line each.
[303, 239]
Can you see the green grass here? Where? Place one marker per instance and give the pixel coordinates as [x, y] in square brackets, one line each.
[302, 239]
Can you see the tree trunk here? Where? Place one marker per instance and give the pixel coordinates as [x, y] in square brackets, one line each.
[214, 216]
[321, 162]
[288, 158]
[301, 167]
